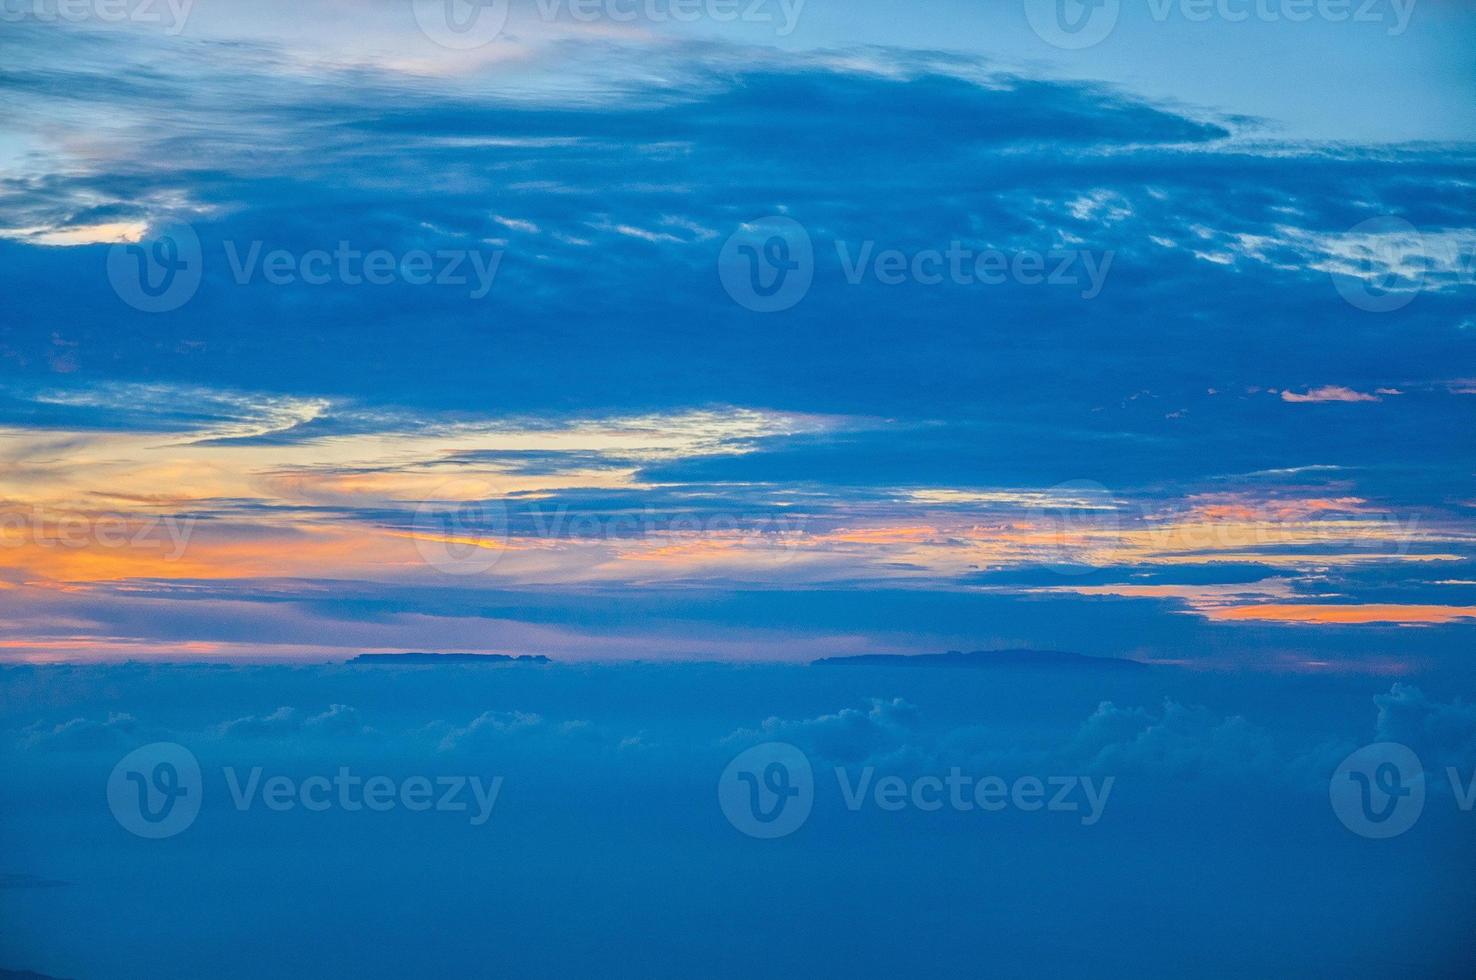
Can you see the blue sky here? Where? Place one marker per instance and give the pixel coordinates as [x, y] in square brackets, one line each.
[1214, 409]
[684, 343]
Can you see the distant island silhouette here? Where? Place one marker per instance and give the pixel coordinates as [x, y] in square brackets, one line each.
[984, 658]
[448, 658]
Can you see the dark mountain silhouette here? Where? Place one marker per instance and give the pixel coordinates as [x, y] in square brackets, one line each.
[448, 658]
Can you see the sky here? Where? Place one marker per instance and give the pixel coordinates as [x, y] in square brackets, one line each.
[619, 332]
[683, 343]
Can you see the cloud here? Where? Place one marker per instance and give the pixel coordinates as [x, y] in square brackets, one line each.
[338, 720]
[1172, 742]
[82, 734]
[1332, 393]
[1327, 613]
[495, 728]
[607, 174]
[1175, 741]
[1442, 733]
[851, 736]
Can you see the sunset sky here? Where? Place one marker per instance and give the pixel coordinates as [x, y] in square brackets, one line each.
[975, 488]
[1239, 437]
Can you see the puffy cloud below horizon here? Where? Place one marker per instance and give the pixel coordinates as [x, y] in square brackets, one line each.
[1171, 741]
[1164, 726]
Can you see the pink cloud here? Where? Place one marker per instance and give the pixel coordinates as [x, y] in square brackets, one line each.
[1336, 393]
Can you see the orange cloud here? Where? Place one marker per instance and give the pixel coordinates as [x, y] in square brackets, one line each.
[1392, 613]
[1236, 507]
[883, 535]
[215, 552]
